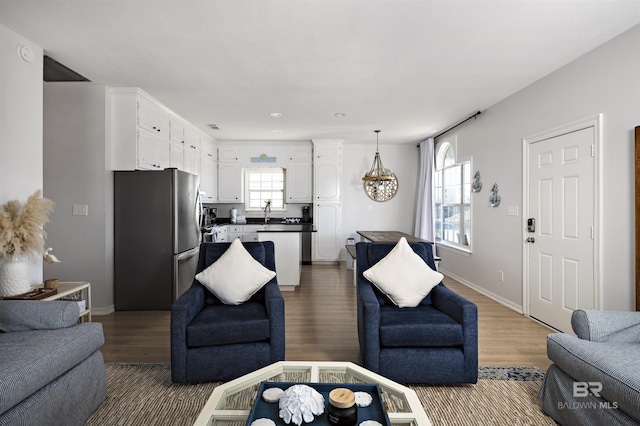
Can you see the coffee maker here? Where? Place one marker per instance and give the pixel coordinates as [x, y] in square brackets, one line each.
[209, 216]
[306, 217]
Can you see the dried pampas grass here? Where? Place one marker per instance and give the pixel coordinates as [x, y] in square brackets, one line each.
[21, 230]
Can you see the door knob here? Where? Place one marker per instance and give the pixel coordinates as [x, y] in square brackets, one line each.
[531, 240]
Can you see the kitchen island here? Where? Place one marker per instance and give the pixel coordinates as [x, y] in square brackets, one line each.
[287, 240]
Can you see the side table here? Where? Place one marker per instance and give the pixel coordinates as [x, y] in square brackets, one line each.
[68, 288]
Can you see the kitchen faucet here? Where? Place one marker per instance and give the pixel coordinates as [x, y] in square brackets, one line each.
[267, 210]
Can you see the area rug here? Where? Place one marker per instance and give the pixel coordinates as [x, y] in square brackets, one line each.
[143, 395]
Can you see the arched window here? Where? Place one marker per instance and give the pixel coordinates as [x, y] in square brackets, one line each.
[452, 199]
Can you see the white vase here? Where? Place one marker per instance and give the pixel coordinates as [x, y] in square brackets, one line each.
[14, 277]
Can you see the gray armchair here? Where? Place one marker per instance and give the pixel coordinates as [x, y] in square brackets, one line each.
[595, 376]
[52, 370]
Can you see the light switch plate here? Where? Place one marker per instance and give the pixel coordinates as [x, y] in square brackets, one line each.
[512, 211]
[80, 210]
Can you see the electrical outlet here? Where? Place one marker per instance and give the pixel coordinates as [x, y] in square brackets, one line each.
[80, 210]
[501, 276]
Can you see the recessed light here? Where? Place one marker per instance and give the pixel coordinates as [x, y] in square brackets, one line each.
[276, 114]
[340, 114]
[276, 131]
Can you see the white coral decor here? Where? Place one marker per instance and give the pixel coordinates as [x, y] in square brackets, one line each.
[300, 402]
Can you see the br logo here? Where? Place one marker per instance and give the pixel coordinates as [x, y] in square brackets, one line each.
[582, 389]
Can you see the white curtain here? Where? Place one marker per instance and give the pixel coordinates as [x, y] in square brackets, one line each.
[424, 210]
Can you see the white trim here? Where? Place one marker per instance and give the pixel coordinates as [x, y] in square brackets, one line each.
[102, 311]
[594, 121]
[501, 300]
[459, 250]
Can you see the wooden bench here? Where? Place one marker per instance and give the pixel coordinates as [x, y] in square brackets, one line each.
[351, 249]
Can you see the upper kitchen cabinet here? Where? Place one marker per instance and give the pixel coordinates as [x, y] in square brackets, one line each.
[300, 153]
[298, 179]
[139, 129]
[147, 135]
[176, 143]
[327, 166]
[176, 131]
[327, 150]
[230, 180]
[192, 141]
[299, 175]
[209, 171]
[228, 153]
[153, 152]
[230, 176]
[152, 117]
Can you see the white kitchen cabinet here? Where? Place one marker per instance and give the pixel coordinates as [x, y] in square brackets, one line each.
[298, 178]
[191, 161]
[246, 233]
[191, 151]
[327, 180]
[152, 118]
[327, 151]
[192, 140]
[176, 156]
[209, 170]
[209, 149]
[208, 180]
[176, 131]
[222, 234]
[228, 153]
[327, 219]
[230, 179]
[144, 134]
[300, 153]
[327, 207]
[287, 253]
[327, 170]
[153, 151]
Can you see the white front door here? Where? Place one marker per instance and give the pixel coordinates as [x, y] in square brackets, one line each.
[560, 250]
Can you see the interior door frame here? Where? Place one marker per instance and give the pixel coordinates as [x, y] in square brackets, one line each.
[637, 170]
[594, 121]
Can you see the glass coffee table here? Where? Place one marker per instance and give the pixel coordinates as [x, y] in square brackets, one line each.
[230, 403]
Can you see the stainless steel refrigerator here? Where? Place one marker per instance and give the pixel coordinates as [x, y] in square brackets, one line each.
[157, 237]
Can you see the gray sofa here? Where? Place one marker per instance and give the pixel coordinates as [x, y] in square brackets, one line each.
[51, 369]
[595, 377]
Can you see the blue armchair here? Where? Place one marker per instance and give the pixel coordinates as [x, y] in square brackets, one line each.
[435, 342]
[211, 341]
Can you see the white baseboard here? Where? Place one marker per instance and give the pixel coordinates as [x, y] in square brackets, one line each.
[103, 310]
[501, 300]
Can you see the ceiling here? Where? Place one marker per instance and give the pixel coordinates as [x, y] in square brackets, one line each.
[408, 68]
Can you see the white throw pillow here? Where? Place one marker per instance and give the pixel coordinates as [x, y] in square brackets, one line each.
[403, 276]
[235, 276]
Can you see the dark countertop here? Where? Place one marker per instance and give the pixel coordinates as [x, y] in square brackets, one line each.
[390, 237]
[258, 221]
[283, 227]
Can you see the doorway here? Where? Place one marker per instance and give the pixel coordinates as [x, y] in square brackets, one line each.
[561, 204]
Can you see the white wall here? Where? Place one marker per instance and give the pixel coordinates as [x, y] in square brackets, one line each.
[76, 171]
[359, 212]
[606, 81]
[20, 126]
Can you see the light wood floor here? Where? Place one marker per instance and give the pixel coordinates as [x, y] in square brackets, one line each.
[321, 326]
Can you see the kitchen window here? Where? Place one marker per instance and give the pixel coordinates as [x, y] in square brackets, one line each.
[452, 199]
[262, 184]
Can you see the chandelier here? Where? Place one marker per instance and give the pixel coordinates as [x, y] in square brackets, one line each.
[379, 183]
